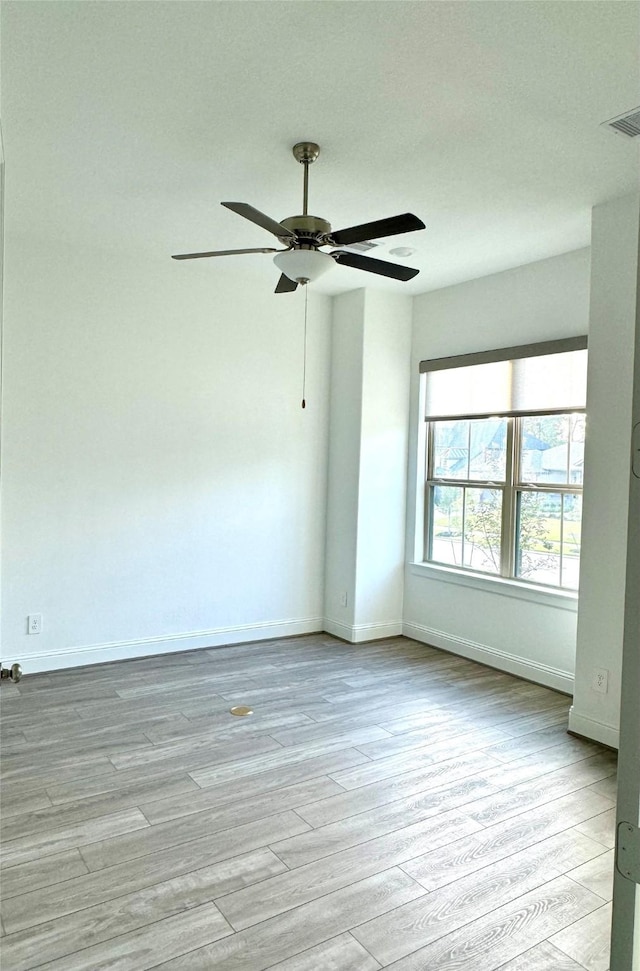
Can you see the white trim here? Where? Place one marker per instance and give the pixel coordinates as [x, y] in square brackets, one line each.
[334, 627]
[72, 657]
[593, 729]
[169, 644]
[561, 599]
[511, 663]
[357, 633]
[374, 632]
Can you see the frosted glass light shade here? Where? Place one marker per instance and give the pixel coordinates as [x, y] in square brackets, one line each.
[303, 264]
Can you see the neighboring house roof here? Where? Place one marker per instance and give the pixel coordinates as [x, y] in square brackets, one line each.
[490, 434]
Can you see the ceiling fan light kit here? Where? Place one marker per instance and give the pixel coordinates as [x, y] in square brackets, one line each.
[303, 265]
[302, 261]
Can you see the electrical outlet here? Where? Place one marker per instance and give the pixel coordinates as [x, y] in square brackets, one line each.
[34, 623]
[343, 598]
[600, 680]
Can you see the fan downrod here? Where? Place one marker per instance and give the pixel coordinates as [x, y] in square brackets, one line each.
[306, 152]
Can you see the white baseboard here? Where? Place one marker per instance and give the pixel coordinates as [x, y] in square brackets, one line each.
[343, 631]
[142, 647]
[354, 634]
[494, 658]
[357, 633]
[590, 728]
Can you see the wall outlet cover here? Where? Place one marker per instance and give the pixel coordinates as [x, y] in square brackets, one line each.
[600, 680]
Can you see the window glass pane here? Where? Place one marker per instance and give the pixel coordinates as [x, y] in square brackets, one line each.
[465, 519]
[488, 449]
[538, 537]
[482, 529]
[451, 450]
[576, 448]
[470, 449]
[571, 533]
[446, 524]
[547, 452]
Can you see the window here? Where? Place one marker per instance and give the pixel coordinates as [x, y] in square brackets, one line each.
[504, 462]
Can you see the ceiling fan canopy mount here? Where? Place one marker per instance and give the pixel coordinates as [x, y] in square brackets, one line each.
[306, 152]
[303, 236]
[308, 227]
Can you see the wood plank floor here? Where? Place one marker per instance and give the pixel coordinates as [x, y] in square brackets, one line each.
[387, 805]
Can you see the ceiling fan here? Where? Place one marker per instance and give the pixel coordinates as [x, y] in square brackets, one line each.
[303, 236]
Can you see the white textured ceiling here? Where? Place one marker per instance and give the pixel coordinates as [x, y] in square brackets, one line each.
[126, 123]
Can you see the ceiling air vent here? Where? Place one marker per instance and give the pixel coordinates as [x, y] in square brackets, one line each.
[627, 124]
[363, 247]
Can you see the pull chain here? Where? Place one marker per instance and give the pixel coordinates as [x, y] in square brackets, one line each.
[304, 358]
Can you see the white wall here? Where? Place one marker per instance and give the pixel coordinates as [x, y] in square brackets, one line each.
[162, 487]
[383, 463]
[367, 464]
[532, 637]
[347, 341]
[625, 930]
[614, 269]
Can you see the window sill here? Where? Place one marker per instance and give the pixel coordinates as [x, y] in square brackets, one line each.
[562, 599]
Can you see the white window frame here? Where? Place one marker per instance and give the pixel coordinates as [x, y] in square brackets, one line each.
[503, 583]
[511, 487]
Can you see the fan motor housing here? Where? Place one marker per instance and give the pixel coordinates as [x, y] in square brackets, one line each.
[307, 227]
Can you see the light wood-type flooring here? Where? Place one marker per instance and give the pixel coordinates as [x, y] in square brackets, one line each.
[387, 805]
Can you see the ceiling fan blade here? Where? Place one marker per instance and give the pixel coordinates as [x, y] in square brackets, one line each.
[285, 285]
[259, 218]
[224, 252]
[393, 270]
[405, 223]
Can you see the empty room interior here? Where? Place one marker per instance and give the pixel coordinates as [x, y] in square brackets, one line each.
[315, 535]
